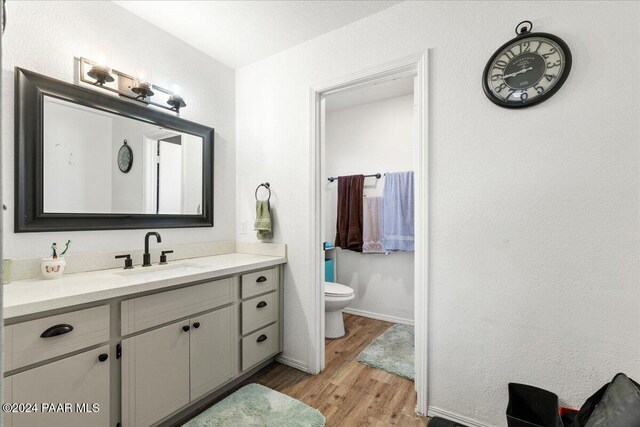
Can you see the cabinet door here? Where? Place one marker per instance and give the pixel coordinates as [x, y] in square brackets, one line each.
[70, 387]
[211, 351]
[155, 374]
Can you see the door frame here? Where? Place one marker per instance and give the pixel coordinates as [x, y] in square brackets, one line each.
[417, 65]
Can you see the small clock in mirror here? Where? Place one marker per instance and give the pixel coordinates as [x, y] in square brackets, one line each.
[526, 70]
[125, 157]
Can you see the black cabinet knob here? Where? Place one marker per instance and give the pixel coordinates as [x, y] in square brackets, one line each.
[261, 338]
[261, 279]
[186, 328]
[196, 325]
[56, 330]
[103, 357]
[261, 304]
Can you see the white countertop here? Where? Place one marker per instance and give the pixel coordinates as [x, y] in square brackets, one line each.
[25, 297]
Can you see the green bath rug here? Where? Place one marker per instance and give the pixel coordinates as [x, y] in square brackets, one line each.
[393, 351]
[256, 405]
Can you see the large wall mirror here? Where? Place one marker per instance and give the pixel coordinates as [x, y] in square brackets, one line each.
[89, 161]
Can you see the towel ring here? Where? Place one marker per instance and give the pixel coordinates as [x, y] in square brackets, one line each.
[265, 185]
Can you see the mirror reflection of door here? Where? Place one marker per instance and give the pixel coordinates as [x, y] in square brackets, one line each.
[173, 173]
[169, 198]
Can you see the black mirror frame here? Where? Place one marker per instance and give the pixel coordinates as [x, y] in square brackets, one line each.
[29, 213]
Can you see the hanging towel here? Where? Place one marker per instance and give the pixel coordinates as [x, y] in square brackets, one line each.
[398, 212]
[263, 219]
[349, 217]
[372, 225]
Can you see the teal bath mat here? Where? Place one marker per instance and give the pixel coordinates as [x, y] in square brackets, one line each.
[256, 405]
[393, 351]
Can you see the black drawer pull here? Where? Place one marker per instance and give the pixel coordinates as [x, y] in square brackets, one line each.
[261, 279]
[261, 304]
[196, 325]
[186, 328]
[261, 338]
[56, 330]
[103, 357]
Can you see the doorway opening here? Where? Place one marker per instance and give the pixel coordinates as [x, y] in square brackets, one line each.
[398, 86]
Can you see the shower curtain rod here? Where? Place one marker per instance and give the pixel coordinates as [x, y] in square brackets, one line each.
[377, 175]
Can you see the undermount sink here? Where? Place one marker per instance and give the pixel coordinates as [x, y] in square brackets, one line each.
[162, 270]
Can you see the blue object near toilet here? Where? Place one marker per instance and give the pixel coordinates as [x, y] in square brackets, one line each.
[329, 270]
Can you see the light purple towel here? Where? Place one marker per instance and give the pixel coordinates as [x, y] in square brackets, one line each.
[398, 212]
[372, 225]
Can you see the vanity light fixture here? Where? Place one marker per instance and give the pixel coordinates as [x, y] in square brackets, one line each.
[175, 100]
[136, 88]
[143, 90]
[101, 74]
[142, 87]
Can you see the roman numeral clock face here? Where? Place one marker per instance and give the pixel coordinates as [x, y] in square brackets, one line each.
[526, 70]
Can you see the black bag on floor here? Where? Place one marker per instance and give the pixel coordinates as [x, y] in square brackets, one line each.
[616, 404]
[441, 422]
[532, 407]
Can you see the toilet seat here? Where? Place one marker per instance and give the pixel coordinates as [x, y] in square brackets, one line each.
[337, 290]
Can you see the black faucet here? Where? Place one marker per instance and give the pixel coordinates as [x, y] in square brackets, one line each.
[146, 258]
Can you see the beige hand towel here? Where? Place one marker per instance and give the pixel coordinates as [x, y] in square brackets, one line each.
[372, 225]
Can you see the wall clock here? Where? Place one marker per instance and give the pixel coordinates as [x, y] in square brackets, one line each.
[526, 70]
[125, 157]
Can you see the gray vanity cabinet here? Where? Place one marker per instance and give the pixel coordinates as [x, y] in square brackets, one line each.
[77, 382]
[211, 351]
[148, 359]
[166, 368]
[155, 374]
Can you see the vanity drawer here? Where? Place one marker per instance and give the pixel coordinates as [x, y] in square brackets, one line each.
[259, 282]
[152, 310]
[259, 311]
[259, 346]
[25, 343]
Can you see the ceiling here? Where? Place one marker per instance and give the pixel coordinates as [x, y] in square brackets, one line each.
[238, 33]
[371, 93]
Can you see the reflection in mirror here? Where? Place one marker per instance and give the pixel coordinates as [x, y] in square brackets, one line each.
[99, 163]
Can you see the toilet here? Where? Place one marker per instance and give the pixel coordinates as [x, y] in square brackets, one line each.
[336, 298]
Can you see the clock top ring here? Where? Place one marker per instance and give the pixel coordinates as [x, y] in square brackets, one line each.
[527, 69]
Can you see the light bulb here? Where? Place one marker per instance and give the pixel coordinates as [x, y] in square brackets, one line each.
[101, 59]
[143, 76]
[175, 89]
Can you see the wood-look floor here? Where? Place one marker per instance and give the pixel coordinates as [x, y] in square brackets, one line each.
[347, 392]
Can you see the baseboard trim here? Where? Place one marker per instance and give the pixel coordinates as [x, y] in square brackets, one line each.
[451, 416]
[292, 363]
[378, 316]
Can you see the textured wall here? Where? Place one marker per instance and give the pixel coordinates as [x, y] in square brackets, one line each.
[45, 36]
[535, 219]
[370, 138]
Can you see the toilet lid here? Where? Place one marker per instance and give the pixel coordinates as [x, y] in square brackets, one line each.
[331, 288]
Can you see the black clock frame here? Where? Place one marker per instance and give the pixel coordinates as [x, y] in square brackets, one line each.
[31, 89]
[543, 97]
[130, 165]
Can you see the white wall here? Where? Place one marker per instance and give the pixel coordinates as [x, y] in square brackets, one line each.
[534, 213]
[45, 36]
[70, 159]
[370, 138]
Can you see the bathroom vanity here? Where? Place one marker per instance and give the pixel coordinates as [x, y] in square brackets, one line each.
[139, 347]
